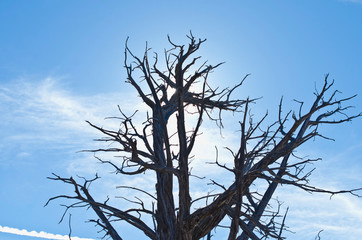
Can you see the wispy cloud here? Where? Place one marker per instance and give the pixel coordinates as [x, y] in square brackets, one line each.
[310, 213]
[43, 112]
[47, 104]
[40, 234]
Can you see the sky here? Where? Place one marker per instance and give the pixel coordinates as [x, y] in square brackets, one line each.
[61, 63]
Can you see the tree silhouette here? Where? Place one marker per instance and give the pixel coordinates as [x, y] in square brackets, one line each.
[265, 153]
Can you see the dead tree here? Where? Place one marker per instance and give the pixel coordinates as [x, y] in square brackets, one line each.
[178, 90]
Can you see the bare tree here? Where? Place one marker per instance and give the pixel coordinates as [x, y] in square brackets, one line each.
[263, 153]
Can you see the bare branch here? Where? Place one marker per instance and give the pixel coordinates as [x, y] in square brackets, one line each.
[266, 152]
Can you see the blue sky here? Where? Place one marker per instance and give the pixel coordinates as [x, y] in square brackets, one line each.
[61, 64]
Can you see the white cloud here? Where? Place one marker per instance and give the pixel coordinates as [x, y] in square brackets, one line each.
[40, 234]
[46, 104]
[340, 216]
[23, 154]
[42, 113]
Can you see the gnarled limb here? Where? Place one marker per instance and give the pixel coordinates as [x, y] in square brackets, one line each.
[264, 153]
